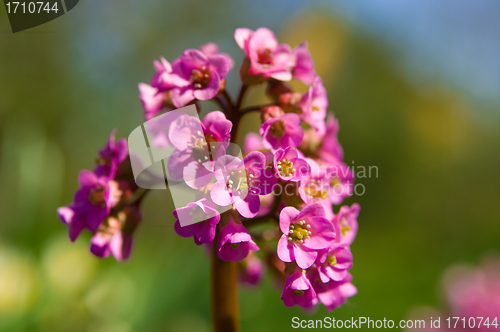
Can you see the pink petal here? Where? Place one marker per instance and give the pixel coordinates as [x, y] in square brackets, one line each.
[249, 206]
[210, 90]
[242, 35]
[220, 63]
[220, 195]
[182, 95]
[285, 249]
[287, 215]
[305, 259]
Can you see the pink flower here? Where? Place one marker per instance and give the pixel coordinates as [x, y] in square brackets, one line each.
[341, 179]
[334, 293]
[314, 105]
[289, 166]
[266, 57]
[282, 132]
[165, 79]
[152, 100]
[303, 66]
[210, 49]
[253, 142]
[76, 222]
[198, 146]
[157, 129]
[475, 292]
[201, 74]
[111, 156]
[251, 270]
[240, 182]
[298, 290]
[334, 263]
[234, 242]
[315, 187]
[216, 127]
[201, 218]
[346, 224]
[330, 148]
[304, 234]
[115, 234]
[91, 203]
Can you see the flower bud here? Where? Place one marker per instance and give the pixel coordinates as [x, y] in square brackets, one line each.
[271, 112]
[276, 88]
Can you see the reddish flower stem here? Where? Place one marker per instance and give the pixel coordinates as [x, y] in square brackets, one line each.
[224, 275]
[225, 312]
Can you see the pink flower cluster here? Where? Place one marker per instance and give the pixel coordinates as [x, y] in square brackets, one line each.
[472, 295]
[103, 203]
[290, 176]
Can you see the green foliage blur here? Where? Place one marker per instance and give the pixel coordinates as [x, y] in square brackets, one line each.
[66, 84]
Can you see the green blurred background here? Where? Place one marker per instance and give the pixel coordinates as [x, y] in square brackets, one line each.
[414, 85]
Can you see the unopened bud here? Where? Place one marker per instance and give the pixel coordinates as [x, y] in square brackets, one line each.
[269, 112]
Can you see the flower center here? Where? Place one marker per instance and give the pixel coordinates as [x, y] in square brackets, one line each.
[100, 160]
[202, 149]
[314, 189]
[265, 57]
[239, 180]
[344, 226]
[286, 167]
[200, 77]
[335, 182]
[96, 195]
[277, 129]
[332, 260]
[314, 108]
[299, 231]
[298, 292]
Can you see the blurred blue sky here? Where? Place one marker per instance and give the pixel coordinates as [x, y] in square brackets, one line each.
[447, 41]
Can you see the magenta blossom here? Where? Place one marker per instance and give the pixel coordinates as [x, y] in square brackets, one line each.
[266, 57]
[234, 240]
[302, 64]
[475, 292]
[289, 165]
[334, 263]
[315, 187]
[346, 224]
[92, 203]
[341, 179]
[165, 79]
[115, 234]
[298, 290]
[210, 49]
[202, 218]
[251, 270]
[152, 100]
[314, 105]
[198, 145]
[330, 148]
[334, 293]
[240, 182]
[282, 132]
[76, 222]
[253, 142]
[202, 75]
[111, 156]
[304, 234]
